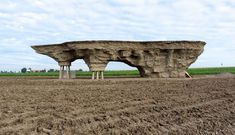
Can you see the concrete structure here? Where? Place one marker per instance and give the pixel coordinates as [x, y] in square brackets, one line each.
[155, 59]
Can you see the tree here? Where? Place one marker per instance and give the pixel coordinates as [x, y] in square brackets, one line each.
[44, 70]
[80, 70]
[51, 70]
[23, 70]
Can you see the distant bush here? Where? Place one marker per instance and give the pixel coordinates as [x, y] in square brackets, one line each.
[51, 70]
[23, 70]
[43, 71]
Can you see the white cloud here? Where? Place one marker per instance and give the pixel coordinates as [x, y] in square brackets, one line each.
[29, 22]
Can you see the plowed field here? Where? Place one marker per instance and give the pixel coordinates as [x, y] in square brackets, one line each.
[117, 106]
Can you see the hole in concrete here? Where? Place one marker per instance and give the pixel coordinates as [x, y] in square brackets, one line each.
[79, 69]
[120, 69]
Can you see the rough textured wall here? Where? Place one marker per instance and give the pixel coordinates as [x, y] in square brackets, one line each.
[160, 59]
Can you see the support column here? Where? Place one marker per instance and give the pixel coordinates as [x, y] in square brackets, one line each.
[93, 75]
[102, 75]
[61, 72]
[97, 75]
[67, 72]
[64, 70]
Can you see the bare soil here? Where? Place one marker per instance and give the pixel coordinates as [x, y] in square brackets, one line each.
[34, 105]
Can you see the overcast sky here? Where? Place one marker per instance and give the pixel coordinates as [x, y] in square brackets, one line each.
[34, 22]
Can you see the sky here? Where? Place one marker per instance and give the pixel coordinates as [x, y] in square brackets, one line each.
[36, 22]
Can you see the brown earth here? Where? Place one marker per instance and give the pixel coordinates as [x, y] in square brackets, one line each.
[117, 106]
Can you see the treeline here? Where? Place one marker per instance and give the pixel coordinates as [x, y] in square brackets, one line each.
[8, 72]
[30, 70]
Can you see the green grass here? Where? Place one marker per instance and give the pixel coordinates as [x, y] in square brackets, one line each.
[192, 71]
[78, 73]
[30, 74]
[122, 73]
[211, 70]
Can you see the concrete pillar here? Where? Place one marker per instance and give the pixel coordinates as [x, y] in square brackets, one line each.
[67, 72]
[93, 75]
[102, 75]
[61, 71]
[97, 75]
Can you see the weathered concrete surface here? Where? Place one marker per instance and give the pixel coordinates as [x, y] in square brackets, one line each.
[156, 59]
